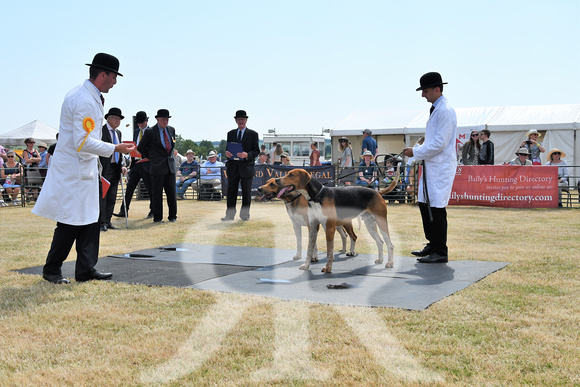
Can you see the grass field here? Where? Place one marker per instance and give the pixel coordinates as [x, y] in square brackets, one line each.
[519, 326]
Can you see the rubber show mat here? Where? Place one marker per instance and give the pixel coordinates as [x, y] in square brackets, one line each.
[354, 280]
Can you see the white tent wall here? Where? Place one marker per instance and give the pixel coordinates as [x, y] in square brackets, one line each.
[561, 139]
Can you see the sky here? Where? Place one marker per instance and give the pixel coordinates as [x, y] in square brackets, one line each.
[296, 66]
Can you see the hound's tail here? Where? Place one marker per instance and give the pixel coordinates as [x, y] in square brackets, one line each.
[393, 184]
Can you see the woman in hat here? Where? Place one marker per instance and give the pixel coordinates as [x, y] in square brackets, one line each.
[535, 147]
[470, 152]
[285, 157]
[367, 175]
[345, 160]
[555, 157]
[522, 157]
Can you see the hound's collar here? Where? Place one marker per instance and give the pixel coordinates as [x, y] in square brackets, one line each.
[318, 193]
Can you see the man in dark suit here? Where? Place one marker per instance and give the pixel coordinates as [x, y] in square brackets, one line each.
[139, 169]
[157, 145]
[112, 167]
[240, 167]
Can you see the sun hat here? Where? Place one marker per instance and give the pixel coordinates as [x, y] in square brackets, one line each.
[41, 144]
[189, 151]
[368, 153]
[533, 131]
[523, 151]
[343, 139]
[211, 154]
[554, 150]
[285, 154]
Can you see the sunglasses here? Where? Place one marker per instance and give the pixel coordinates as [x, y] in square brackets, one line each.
[522, 154]
[474, 135]
[557, 153]
[10, 157]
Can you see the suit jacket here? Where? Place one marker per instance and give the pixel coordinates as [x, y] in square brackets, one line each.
[106, 137]
[151, 147]
[250, 145]
[70, 193]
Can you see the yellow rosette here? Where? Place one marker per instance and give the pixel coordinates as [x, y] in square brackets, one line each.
[88, 126]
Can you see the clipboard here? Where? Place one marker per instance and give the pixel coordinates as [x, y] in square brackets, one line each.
[134, 153]
[234, 148]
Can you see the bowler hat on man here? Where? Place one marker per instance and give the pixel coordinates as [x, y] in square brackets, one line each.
[106, 62]
[241, 114]
[141, 117]
[163, 113]
[114, 111]
[430, 80]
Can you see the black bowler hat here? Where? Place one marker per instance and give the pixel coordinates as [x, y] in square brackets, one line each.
[241, 114]
[430, 80]
[114, 112]
[163, 113]
[141, 117]
[106, 62]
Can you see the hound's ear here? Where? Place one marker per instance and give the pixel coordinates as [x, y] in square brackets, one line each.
[304, 178]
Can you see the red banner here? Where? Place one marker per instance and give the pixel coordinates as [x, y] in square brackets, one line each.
[505, 186]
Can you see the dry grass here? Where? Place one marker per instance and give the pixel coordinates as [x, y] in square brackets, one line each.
[518, 326]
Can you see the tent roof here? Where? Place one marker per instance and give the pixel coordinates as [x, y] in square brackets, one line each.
[495, 118]
[35, 129]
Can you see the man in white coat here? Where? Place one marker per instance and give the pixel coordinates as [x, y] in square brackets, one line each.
[70, 194]
[439, 158]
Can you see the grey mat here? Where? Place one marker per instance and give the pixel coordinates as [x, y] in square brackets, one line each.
[272, 272]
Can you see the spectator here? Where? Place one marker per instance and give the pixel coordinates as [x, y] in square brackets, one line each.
[31, 155]
[276, 155]
[179, 159]
[286, 160]
[367, 175]
[12, 175]
[369, 143]
[486, 151]
[535, 147]
[522, 157]
[50, 151]
[33, 177]
[43, 165]
[345, 161]
[471, 149]
[187, 174]
[262, 159]
[210, 171]
[272, 153]
[555, 157]
[314, 155]
[3, 157]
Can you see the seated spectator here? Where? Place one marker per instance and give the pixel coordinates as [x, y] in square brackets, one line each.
[522, 157]
[535, 147]
[210, 171]
[187, 174]
[285, 158]
[555, 157]
[12, 175]
[367, 175]
[43, 164]
[262, 159]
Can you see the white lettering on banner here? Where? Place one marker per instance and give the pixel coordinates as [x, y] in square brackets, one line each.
[535, 179]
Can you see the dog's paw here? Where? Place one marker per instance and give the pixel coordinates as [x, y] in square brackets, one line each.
[350, 254]
[314, 259]
[304, 267]
[326, 270]
[379, 260]
[342, 251]
[390, 264]
[297, 257]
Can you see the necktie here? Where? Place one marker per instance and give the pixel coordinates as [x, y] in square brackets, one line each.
[140, 136]
[167, 143]
[115, 141]
[102, 100]
[239, 136]
[431, 110]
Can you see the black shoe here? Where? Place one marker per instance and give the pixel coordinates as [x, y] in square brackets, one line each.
[149, 216]
[245, 219]
[103, 227]
[95, 275]
[423, 253]
[172, 220]
[226, 219]
[111, 227]
[56, 279]
[434, 258]
[121, 214]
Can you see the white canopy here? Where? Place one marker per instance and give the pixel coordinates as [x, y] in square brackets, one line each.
[36, 129]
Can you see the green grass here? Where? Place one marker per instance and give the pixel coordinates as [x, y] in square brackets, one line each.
[518, 326]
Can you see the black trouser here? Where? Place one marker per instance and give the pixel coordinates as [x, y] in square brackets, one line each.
[138, 171]
[167, 183]
[87, 246]
[232, 196]
[435, 231]
[113, 175]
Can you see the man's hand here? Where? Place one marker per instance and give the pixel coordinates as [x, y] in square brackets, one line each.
[408, 152]
[229, 154]
[124, 148]
[242, 155]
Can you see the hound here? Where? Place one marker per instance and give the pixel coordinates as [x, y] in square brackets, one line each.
[297, 208]
[336, 206]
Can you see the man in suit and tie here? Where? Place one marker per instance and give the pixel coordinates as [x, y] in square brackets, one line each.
[112, 166]
[240, 167]
[157, 145]
[139, 169]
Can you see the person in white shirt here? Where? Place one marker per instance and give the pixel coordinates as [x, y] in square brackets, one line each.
[210, 172]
